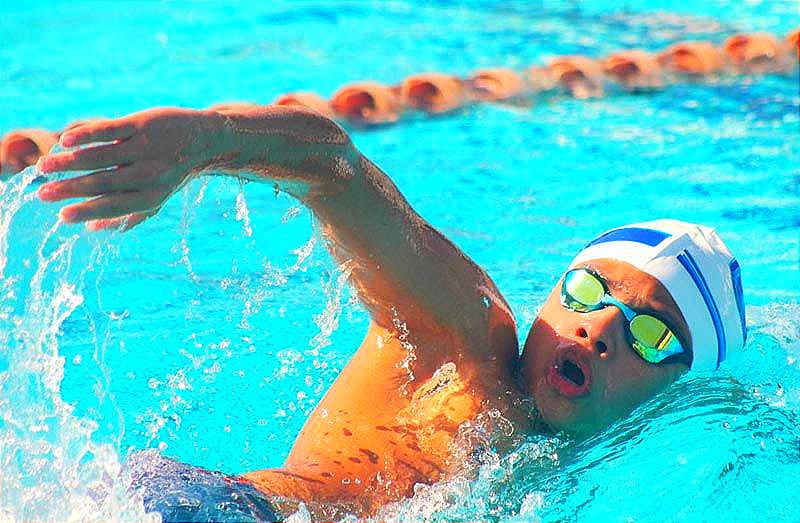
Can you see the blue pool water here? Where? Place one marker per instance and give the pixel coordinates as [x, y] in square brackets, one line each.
[211, 332]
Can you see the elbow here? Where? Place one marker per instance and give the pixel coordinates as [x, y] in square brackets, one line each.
[322, 137]
[316, 126]
[292, 144]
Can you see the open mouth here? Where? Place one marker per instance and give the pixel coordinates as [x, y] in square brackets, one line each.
[570, 375]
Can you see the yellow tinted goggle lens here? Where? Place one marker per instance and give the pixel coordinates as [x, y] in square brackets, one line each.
[584, 288]
[655, 335]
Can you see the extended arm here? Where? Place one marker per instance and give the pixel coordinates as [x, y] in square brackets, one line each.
[407, 274]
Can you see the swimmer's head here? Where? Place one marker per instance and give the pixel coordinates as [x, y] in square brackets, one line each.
[639, 306]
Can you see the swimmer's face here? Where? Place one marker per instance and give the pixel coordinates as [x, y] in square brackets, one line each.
[580, 368]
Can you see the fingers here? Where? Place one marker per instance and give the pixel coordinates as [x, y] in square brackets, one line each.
[123, 223]
[128, 178]
[98, 131]
[112, 206]
[80, 123]
[99, 157]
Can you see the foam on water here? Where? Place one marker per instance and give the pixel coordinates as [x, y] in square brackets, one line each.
[52, 467]
[210, 332]
[56, 464]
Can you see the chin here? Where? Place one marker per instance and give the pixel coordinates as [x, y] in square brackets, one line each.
[575, 417]
[560, 414]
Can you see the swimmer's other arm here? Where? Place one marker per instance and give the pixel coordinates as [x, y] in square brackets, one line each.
[407, 274]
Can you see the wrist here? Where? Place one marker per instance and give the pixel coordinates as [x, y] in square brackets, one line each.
[214, 137]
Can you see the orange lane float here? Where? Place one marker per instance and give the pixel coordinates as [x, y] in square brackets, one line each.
[582, 77]
[635, 70]
[539, 79]
[755, 52]
[693, 58]
[433, 92]
[496, 85]
[368, 103]
[23, 147]
[306, 99]
[793, 43]
[373, 103]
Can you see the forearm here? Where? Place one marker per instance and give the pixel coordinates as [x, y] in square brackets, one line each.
[305, 153]
[404, 270]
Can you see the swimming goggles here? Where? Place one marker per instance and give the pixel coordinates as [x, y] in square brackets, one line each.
[651, 338]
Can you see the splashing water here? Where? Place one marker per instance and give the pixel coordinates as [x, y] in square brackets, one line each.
[59, 464]
[111, 345]
[53, 468]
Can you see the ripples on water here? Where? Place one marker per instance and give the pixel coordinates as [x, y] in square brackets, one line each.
[204, 334]
[711, 444]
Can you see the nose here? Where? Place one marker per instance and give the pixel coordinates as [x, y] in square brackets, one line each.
[602, 330]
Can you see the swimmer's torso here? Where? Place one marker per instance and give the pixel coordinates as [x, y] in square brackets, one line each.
[388, 422]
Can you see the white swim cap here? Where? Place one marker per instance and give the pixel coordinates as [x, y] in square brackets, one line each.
[693, 264]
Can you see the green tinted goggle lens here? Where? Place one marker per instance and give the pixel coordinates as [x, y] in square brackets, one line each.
[653, 340]
[584, 289]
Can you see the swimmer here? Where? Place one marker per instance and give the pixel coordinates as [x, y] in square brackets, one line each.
[691, 58]
[367, 103]
[638, 307]
[635, 70]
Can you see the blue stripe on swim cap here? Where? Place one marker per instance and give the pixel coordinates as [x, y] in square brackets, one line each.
[694, 271]
[649, 237]
[736, 277]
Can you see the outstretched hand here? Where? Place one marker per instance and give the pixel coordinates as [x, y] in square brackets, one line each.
[139, 162]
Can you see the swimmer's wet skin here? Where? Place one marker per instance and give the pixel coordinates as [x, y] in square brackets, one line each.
[644, 304]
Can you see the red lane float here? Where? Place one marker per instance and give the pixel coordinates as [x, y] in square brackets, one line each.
[367, 103]
[433, 92]
[582, 77]
[372, 103]
[793, 43]
[692, 58]
[635, 70]
[539, 79]
[755, 53]
[23, 147]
